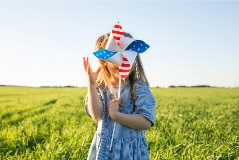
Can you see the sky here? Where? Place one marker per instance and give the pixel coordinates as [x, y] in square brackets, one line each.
[191, 42]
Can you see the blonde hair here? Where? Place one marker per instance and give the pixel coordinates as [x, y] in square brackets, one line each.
[137, 70]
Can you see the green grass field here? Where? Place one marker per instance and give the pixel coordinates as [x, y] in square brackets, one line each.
[50, 123]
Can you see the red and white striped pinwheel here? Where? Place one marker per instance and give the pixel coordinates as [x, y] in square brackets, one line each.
[121, 50]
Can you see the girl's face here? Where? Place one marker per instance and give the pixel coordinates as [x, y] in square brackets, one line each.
[114, 69]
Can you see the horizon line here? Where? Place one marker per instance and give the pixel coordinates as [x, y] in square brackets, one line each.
[157, 86]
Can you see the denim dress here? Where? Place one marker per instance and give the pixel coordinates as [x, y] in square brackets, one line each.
[127, 143]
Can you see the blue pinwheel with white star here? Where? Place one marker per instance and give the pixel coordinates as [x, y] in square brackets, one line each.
[121, 50]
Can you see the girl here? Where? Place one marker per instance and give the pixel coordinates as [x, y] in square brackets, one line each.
[133, 112]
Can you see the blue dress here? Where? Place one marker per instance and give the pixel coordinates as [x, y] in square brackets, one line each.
[128, 143]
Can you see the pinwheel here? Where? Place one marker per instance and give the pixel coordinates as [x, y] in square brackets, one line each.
[121, 51]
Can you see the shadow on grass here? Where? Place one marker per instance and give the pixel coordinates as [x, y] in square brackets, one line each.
[9, 115]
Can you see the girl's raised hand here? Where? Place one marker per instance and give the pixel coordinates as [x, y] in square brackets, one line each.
[92, 76]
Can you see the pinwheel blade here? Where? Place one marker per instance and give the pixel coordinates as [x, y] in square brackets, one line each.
[112, 45]
[112, 57]
[138, 46]
[124, 69]
[130, 55]
[125, 42]
[117, 32]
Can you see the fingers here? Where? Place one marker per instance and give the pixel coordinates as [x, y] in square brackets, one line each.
[88, 70]
[115, 103]
[85, 62]
[98, 70]
[119, 99]
[88, 67]
[116, 100]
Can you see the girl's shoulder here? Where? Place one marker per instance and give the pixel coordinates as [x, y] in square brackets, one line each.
[140, 83]
[140, 86]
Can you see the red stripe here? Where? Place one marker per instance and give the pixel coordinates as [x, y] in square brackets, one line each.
[122, 70]
[125, 65]
[123, 76]
[117, 26]
[117, 32]
[116, 38]
[125, 59]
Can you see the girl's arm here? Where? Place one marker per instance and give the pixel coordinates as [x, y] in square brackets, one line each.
[135, 121]
[95, 106]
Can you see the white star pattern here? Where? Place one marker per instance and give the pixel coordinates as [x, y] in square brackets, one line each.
[138, 49]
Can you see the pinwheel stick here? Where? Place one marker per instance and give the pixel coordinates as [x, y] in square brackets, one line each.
[115, 121]
[119, 87]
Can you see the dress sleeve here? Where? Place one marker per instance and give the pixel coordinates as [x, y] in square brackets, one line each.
[144, 102]
[102, 99]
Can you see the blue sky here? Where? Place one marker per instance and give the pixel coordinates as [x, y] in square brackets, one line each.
[191, 42]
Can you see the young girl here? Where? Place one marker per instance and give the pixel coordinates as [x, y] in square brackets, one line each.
[133, 112]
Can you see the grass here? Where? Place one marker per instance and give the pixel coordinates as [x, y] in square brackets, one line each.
[50, 123]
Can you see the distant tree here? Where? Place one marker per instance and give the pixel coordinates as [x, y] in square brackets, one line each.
[70, 86]
[181, 86]
[44, 86]
[201, 86]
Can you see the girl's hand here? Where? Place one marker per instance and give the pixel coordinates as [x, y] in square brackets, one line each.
[114, 107]
[92, 76]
